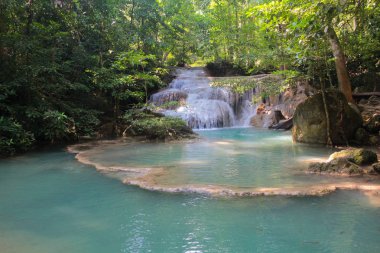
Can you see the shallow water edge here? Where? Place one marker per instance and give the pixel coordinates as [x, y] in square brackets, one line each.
[147, 178]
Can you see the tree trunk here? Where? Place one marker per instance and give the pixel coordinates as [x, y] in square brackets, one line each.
[325, 107]
[237, 35]
[3, 30]
[28, 27]
[29, 12]
[340, 64]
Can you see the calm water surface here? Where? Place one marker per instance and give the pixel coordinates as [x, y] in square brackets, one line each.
[232, 157]
[51, 203]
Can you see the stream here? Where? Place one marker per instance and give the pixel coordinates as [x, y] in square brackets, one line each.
[49, 202]
[234, 189]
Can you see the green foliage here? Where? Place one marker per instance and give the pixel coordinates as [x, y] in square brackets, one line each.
[159, 128]
[170, 105]
[86, 121]
[301, 26]
[155, 127]
[160, 72]
[13, 138]
[57, 126]
[67, 66]
[224, 68]
[290, 76]
[132, 60]
[265, 36]
[267, 85]
[129, 79]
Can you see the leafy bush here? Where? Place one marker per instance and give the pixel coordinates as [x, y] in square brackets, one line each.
[171, 105]
[268, 85]
[156, 126]
[13, 138]
[290, 76]
[57, 126]
[224, 68]
[86, 121]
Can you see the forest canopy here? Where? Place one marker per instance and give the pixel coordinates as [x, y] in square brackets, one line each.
[66, 66]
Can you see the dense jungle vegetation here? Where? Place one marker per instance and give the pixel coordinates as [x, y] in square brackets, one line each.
[67, 67]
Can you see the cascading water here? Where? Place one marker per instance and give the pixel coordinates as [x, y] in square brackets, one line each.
[200, 105]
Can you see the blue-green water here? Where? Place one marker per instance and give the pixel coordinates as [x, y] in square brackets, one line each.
[51, 203]
[244, 159]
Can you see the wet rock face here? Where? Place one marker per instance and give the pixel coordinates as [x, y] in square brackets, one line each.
[286, 103]
[264, 119]
[310, 122]
[167, 96]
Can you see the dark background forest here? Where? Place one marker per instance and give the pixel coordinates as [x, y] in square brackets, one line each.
[67, 67]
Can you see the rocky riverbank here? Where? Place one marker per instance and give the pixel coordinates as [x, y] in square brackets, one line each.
[348, 162]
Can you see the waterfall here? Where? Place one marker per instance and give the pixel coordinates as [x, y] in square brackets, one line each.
[191, 98]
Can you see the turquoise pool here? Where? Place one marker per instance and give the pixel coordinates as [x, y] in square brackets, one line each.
[49, 202]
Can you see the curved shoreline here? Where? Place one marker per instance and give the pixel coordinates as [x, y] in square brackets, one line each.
[145, 178]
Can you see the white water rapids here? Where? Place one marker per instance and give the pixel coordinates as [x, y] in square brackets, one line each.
[202, 106]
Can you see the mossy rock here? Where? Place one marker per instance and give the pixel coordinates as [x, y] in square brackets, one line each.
[337, 166]
[310, 124]
[357, 156]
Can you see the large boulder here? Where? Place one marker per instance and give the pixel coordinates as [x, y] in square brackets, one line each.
[310, 119]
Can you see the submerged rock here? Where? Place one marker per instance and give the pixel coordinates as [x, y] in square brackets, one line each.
[357, 156]
[310, 122]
